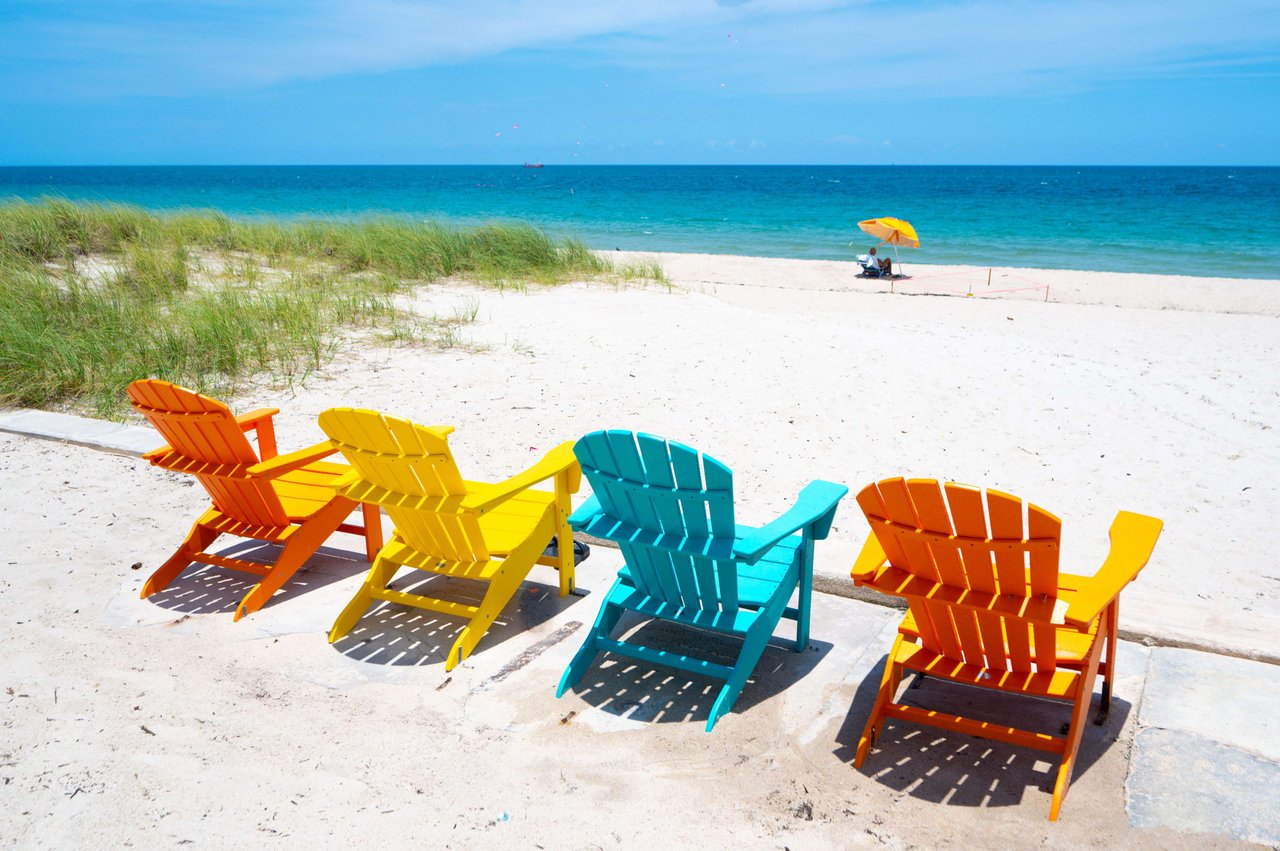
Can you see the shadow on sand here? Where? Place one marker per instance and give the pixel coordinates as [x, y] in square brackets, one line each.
[206, 589]
[945, 767]
[394, 634]
[640, 691]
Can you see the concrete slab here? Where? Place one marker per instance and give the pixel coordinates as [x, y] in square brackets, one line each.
[1185, 782]
[83, 431]
[1219, 698]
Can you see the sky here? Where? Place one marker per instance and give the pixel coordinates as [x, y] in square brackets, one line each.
[1159, 82]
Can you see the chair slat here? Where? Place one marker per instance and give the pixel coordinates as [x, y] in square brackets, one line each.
[931, 509]
[969, 519]
[688, 475]
[899, 509]
[872, 504]
[1005, 512]
[626, 457]
[1044, 563]
[717, 477]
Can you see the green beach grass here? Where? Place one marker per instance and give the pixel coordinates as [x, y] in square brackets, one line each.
[95, 296]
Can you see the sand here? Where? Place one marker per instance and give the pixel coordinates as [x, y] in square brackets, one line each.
[1156, 395]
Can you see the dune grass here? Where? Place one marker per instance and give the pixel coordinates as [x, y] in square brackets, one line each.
[95, 296]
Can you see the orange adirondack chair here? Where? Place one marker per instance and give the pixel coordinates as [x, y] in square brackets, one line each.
[989, 608]
[284, 499]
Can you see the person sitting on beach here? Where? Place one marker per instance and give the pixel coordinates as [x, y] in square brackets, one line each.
[878, 266]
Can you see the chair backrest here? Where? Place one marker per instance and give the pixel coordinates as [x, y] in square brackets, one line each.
[998, 564]
[672, 509]
[206, 441]
[409, 470]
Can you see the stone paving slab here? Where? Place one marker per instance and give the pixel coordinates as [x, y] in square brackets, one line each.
[84, 431]
[1184, 782]
[1220, 698]
[1206, 757]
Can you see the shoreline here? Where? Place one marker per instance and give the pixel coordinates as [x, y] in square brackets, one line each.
[1258, 296]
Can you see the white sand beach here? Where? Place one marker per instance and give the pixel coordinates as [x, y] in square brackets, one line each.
[161, 721]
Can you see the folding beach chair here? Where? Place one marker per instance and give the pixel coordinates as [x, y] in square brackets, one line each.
[490, 533]
[989, 608]
[282, 499]
[670, 510]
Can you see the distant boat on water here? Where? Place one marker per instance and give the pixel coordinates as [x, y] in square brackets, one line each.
[534, 165]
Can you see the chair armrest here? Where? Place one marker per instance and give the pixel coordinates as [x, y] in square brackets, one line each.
[281, 464]
[554, 462]
[585, 513]
[260, 421]
[870, 560]
[816, 507]
[1133, 537]
[251, 419]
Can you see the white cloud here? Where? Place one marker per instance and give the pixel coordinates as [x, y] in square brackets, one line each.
[796, 47]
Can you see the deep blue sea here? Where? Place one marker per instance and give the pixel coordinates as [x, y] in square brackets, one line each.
[1187, 220]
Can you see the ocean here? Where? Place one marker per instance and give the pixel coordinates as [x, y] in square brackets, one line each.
[1207, 221]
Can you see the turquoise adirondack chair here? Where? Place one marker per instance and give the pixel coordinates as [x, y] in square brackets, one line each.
[670, 510]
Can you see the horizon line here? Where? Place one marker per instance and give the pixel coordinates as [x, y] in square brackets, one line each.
[543, 164]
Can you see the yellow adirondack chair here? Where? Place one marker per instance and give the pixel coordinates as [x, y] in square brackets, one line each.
[284, 499]
[989, 608]
[493, 533]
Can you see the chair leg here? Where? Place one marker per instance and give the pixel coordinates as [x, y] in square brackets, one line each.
[805, 602]
[564, 535]
[757, 637]
[1079, 711]
[502, 587]
[198, 539]
[372, 530]
[1111, 622]
[299, 547]
[888, 688]
[606, 620]
[380, 574]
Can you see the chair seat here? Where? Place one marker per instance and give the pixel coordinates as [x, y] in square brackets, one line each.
[508, 524]
[308, 489]
[504, 527]
[757, 583]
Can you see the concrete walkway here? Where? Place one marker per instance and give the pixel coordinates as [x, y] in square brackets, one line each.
[1189, 754]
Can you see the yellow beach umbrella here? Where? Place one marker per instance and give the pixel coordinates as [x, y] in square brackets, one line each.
[892, 231]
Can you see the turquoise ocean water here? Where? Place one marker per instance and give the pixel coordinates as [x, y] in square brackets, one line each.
[1188, 220]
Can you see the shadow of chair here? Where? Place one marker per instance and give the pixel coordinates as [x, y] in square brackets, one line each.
[208, 589]
[947, 767]
[639, 691]
[394, 634]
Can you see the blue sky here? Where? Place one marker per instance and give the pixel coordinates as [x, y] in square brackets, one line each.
[641, 81]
